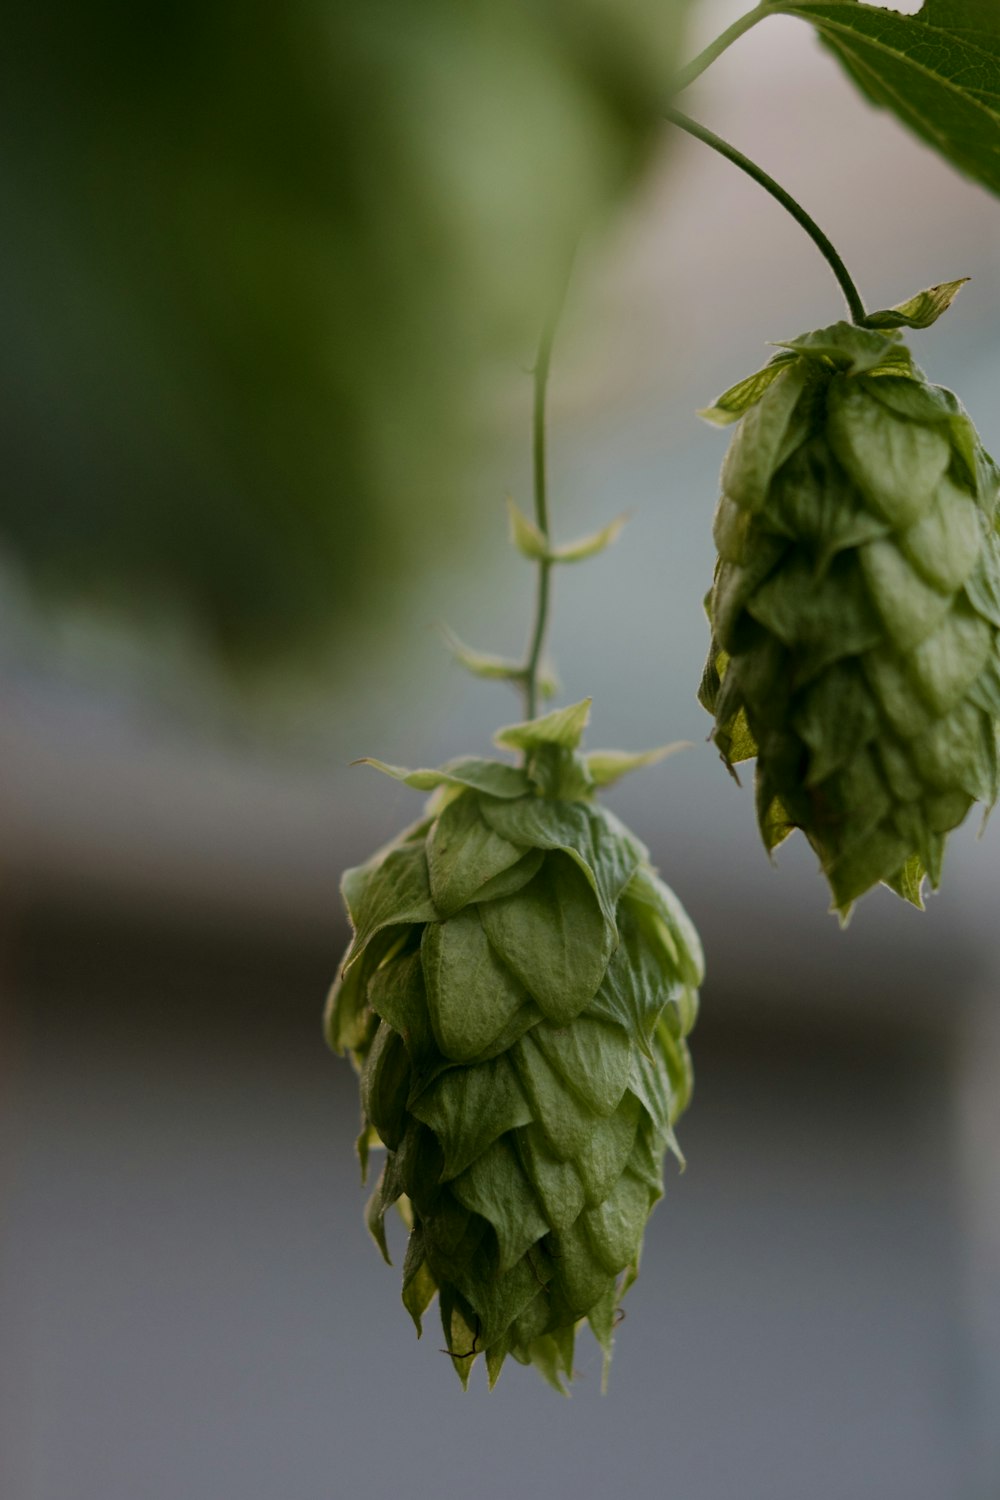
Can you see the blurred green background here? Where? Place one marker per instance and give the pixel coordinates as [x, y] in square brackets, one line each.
[267, 269]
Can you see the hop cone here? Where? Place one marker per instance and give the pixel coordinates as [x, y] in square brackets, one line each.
[856, 607]
[516, 998]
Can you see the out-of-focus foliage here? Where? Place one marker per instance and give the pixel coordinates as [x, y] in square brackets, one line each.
[261, 264]
[938, 71]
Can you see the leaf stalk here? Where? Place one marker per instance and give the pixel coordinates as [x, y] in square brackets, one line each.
[697, 66]
[822, 242]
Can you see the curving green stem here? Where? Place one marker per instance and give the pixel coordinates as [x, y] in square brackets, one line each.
[798, 213]
[714, 49]
[540, 488]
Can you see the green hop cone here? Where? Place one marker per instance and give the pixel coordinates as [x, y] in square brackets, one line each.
[516, 998]
[856, 607]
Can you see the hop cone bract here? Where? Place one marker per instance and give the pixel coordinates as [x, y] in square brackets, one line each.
[516, 998]
[856, 608]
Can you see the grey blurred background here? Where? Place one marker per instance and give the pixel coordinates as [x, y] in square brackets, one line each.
[189, 1303]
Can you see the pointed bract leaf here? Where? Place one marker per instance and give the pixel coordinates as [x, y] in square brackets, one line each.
[393, 890]
[347, 1021]
[731, 405]
[563, 727]
[419, 1286]
[565, 1120]
[665, 923]
[605, 850]
[469, 1108]
[498, 668]
[590, 545]
[512, 879]
[471, 994]
[463, 853]
[614, 1228]
[553, 935]
[483, 663]
[555, 1179]
[525, 535]
[593, 1056]
[608, 766]
[849, 347]
[495, 777]
[919, 311]
[496, 1188]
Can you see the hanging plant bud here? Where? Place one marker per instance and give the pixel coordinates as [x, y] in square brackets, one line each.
[516, 998]
[856, 607]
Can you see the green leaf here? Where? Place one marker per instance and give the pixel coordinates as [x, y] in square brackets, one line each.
[666, 925]
[922, 402]
[945, 544]
[823, 621]
[494, 777]
[756, 447]
[496, 1188]
[637, 981]
[347, 1019]
[561, 1114]
[731, 405]
[909, 608]
[601, 845]
[461, 1340]
[608, 766]
[469, 1108]
[919, 311]
[390, 890]
[677, 1060]
[471, 994]
[511, 879]
[525, 535]
[463, 853]
[452, 1235]
[497, 668]
[945, 665]
[563, 727]
[834, 716]
[938, 71]
[581, 1277]
[482, 663]
[500, 1296]
[602, 1157]
[553, 936]
[976, 18]
[983, 585]
[908, 882]
[560, 774]
[419, 1286]
[650, 1085]
[593, 1056]
[851, 348]
[385, 1084]
[615, 1227]
[590, 545]
[398, 995]
[814, 503]
[387, 1190]
[547, 1359]
[555, 1180]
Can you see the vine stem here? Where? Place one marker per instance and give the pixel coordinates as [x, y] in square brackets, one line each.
[725, 39]
[543, 590]
[823, 244]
